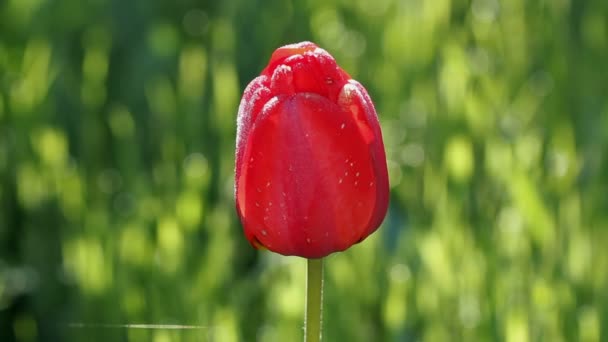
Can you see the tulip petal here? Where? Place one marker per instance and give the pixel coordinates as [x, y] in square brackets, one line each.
[354, 96]
[287, 51]
[255, 96]
[311, 175]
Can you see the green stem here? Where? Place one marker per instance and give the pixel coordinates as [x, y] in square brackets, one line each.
[314, 301]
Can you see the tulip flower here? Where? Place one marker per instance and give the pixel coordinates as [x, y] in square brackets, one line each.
[311, 175]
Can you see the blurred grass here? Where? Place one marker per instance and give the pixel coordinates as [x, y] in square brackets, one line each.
[117, 123]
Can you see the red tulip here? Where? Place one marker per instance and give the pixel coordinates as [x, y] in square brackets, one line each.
[310, 175]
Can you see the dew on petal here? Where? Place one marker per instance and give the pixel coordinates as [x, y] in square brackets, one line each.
[268, 184]
[308, 240]
[340, 181]
[342, 127]
[357, 174]
[264, 232]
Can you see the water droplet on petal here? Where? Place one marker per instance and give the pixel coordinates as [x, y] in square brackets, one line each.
[264, 232]
[357, 174]
[268, 184]
[340, 181]
[342, 126]
[308, 240]
[257, 204]
[371, 184]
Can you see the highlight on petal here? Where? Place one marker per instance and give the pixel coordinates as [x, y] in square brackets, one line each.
[292, 49]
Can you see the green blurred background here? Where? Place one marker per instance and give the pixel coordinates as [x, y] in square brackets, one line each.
[117, 129]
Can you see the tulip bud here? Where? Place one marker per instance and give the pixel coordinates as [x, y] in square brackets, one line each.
[310, 176]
